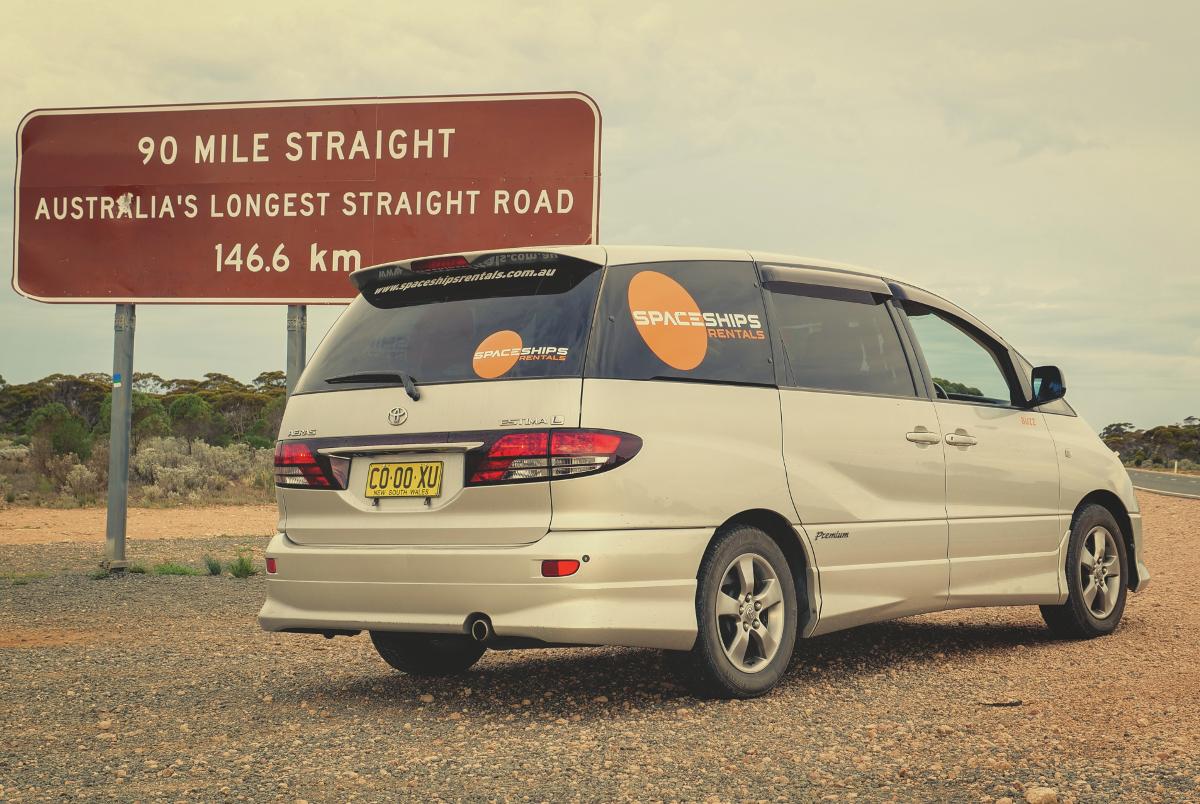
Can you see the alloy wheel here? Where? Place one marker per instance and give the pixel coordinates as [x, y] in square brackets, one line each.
[750, 612]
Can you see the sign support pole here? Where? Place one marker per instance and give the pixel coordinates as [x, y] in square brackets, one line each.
[118, 443]
[297, 330]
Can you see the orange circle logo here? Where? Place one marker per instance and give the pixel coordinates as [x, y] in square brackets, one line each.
[497, 354]
[668, 319]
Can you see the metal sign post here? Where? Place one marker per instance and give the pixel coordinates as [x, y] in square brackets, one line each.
[118, 444]
[297, 330]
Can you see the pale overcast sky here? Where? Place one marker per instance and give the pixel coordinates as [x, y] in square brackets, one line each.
[1036, 163]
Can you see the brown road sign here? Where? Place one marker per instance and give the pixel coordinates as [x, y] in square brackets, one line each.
[276, 202]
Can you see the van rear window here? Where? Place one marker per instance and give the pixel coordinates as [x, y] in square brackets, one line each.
[697, 321]
[463, 326]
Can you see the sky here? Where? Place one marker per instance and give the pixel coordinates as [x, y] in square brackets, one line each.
[1038, 164]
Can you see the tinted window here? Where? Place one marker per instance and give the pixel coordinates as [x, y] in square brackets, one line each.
[464, 325]
[839, 340]
[685, 320]
[963, 364]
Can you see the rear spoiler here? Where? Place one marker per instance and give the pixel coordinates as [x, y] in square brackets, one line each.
[378, 275]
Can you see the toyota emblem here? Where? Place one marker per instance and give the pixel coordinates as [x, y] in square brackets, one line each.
[397, 416]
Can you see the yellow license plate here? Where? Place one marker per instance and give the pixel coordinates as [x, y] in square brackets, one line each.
[416, 479]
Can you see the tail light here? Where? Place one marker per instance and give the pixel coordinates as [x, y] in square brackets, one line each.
[440, 264]
[549, 455]
[297, 465]
[559, 567]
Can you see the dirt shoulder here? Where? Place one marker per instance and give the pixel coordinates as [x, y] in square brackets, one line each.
[20, 525]
[160, 688]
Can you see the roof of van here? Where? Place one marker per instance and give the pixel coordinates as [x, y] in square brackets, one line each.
[626, 254]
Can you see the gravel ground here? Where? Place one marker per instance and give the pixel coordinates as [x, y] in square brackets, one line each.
[161, 688]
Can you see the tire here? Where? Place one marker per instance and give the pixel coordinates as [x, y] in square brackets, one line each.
[712, 668]
[1094, 606]
[427, 654]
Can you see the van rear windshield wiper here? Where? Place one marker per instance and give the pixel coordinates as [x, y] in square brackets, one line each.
[380, 376]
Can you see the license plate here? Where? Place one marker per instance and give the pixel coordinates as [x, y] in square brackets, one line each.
[416, 479]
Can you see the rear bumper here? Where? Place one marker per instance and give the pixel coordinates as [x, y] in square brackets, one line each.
[638, 588]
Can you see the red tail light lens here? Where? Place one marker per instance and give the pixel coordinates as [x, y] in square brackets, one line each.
[549, 455]
[559, 568]
[440, 264]
[270, 566]
[298, 466]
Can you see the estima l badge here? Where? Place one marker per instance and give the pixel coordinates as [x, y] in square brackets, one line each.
[397, 416]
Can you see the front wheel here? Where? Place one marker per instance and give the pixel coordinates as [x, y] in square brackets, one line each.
[746, 617]
[427, 654]
[1097, 578]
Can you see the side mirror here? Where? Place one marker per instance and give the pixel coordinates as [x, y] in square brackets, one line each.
[1048, 385]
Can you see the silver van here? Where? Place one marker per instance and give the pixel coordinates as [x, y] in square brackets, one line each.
[710, 452]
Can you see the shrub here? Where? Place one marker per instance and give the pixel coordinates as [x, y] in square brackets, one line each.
[12, 451]
[173, 568]
[58, 468]
[59, 429]
[81, 483]
[180, 470]
[100, 574]
[243, 565]
[137, 569]
[213, 565]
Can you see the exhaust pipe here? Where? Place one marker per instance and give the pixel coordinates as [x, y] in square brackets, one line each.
[479, 627]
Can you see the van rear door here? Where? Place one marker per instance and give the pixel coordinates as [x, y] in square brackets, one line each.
[492, 345]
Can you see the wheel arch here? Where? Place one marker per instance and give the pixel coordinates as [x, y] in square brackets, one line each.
[1111, 502]
[799, 556]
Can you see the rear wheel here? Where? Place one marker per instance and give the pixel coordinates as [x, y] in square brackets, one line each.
[746, 616]
[1097, 578]
[427, 654]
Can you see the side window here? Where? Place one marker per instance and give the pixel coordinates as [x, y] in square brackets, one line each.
[682, 320]
[839, 340]
[964, 366]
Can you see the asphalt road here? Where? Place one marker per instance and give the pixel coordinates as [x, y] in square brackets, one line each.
[1162, 481]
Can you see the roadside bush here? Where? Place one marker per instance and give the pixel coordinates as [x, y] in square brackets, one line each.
[58, 468]
[243, 565]
[212, 565]
[173, 568]
[12, 451]
[167, 465]
[59, 431]
[81, 483]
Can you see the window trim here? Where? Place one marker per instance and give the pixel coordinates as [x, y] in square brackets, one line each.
[1000, 352]
[805, 276]
[594, 349]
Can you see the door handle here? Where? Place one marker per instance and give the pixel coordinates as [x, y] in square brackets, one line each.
[923, 437]
[961, 440]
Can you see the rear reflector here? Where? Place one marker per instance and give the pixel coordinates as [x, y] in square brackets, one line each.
[559, 568]
[549, 455]
[270, 566]
[297, 465]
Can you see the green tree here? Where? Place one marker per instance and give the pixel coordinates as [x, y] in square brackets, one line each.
[1116, 429]
[240, 410]
[149, 418]
[193, 418]
[54, 427]
[271, 381]
[952, 387]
